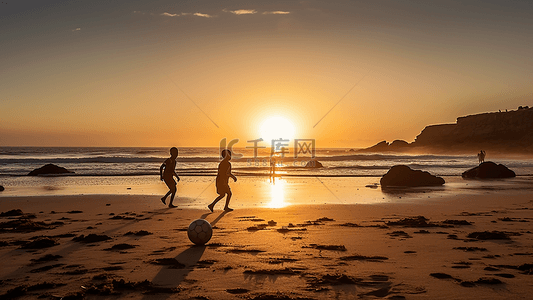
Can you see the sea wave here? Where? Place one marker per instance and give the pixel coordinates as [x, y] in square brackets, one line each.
[204, 161]
[152, 159]
[102, 159]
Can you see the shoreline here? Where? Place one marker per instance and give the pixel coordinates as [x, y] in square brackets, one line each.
[239, 174]
[258, 191]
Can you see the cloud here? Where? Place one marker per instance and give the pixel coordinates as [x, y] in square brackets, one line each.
[170, 15]
[276, 12]
[242, 11]
[166, 14]
[253, 11]
[77, 29]
[202, 15]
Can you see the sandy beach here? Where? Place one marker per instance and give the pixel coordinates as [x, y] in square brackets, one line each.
[458, 246]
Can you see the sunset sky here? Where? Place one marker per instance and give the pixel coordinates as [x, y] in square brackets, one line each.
[109, 73]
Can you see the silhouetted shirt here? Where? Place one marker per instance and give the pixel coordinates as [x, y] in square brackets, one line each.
[170, 166]
[224, 169]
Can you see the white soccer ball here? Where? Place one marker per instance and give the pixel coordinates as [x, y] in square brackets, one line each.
[200, 231]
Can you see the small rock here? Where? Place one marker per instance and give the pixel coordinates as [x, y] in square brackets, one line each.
[49, 169]
[314, 164]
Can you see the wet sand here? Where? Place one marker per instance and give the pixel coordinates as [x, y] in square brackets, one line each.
[474, 245]
[258, 191]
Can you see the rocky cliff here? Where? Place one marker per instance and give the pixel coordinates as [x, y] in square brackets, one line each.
[504, 132]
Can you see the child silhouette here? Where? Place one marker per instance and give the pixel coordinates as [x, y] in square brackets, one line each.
[167, 171]
[224, 173]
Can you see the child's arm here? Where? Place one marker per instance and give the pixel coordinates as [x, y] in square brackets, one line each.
[177, 177]
[161, 171]
[231, 175]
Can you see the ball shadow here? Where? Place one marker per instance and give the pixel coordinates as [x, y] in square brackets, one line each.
[173, 277]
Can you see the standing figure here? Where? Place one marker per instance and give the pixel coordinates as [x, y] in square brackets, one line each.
[224, 173]
[167, 171]
[272, 171]
[481, 156]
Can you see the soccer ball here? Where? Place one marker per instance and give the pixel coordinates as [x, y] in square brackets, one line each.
[200, 231]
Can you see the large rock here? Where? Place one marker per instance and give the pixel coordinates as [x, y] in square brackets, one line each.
[49, 169]
[314, 164]
[489, 169]
[404, 176]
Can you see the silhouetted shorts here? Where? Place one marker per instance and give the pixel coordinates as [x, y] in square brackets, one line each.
[223, 188]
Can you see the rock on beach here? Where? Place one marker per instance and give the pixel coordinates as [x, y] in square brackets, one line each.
[489, 170]
[49, 169]
[403, 176]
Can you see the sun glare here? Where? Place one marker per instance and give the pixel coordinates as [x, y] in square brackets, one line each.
[277, 193]
[275, 128]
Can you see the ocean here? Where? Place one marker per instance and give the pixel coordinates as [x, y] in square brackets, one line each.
[108, 170]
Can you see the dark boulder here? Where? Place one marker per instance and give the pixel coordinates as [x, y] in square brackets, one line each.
[314, 164]
[1, 188]
[406, 177]
[489, 170]
[49, 169]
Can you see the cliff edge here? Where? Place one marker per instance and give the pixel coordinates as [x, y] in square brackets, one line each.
[498, 132]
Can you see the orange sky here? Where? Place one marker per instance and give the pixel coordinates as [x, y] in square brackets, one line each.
[104, 74]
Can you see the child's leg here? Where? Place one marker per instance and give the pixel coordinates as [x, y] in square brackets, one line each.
[210, 206]
[165, 197]
[171, 184]
[173, 194]
[227, 202]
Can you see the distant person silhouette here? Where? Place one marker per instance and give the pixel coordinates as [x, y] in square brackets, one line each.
[272, 171]
[224, 173]
[481, 156]
[167, 171]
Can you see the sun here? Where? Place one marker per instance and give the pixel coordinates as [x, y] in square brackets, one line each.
[276, 127]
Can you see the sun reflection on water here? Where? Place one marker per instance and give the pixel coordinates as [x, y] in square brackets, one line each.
[277, 193]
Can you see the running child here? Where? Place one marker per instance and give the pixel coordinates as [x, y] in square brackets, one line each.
[167, 171]
[224, 173]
